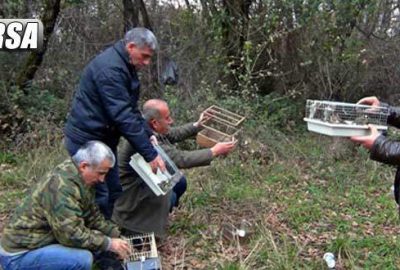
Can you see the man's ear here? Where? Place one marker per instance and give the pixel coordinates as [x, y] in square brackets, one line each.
[130, 46]
[153, 123]
[83, 166]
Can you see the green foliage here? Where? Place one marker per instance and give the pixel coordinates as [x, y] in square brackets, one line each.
[7, 158]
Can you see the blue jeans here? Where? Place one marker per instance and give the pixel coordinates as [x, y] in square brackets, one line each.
[52, 257]
[177, 192]
[108, 191]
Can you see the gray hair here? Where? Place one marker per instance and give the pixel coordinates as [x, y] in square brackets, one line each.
[151, 113]
[141, 37]
[151, 109]
[93, 152]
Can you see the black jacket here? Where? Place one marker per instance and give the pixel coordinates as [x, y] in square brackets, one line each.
[105, 104]
[388, 151]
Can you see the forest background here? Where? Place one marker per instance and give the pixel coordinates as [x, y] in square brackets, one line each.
[299, 193]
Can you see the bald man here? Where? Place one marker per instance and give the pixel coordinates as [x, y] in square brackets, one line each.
[138, 210]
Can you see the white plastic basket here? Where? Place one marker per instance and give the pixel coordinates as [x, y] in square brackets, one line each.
[344, 119]
[161, 182]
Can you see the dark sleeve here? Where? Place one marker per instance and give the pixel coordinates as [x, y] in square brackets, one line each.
[125, 152]
[386, 151]
[394, 115]
[181, 133]
[124, 113]
[188, 159]
[147, 128]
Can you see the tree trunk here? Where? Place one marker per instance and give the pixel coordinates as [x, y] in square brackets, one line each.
[35, 58]
[189, 7]
[145, 15]
[204, 10]
[2, 8]
[154, 89]
[131, 15]
[234, 33]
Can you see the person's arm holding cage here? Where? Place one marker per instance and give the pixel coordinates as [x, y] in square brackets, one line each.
[181, 133]
[64, 215]
[127, 118]
[381, 148]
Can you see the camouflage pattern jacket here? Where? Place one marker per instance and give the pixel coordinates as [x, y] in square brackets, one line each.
[61, 209]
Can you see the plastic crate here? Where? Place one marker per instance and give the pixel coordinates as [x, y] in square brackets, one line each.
[344, 119]
[161, 182]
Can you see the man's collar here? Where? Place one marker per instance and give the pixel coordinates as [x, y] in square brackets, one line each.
[119, 46]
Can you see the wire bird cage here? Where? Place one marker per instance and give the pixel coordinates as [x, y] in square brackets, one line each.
[160, 182]
[144, 255]
[344, 119]
[223, 126]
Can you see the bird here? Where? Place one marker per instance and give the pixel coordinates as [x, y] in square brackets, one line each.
[312, 109]
[361, 120]
[328, 111]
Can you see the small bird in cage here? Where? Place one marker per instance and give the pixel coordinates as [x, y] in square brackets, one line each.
[336, 119]
[331, 115]
[313, 109]
[362, 120]
[328, 111]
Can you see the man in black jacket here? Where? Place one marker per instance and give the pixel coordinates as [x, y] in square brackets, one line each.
[105, 107]
[381, 148]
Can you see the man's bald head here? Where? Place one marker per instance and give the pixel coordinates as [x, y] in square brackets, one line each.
[157, 115]
[152, 109]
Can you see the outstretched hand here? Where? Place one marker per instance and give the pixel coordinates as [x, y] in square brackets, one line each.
[223, 148]
[204, 117]
[367, 141]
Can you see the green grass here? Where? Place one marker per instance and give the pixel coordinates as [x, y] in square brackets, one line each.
[301, 201]
[23, 170]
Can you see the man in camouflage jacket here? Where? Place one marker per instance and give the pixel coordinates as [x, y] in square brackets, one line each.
[138, 209]
[58, 225]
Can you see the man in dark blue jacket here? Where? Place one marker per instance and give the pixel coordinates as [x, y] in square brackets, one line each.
[105, 107]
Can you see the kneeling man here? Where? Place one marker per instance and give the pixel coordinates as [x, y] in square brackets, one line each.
[58, 225]
[138, 210]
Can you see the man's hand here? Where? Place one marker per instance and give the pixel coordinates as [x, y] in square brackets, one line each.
[372, 101]
[158, 162]
[120, 247]
[367, 141]
[204, 117]
[223, 148]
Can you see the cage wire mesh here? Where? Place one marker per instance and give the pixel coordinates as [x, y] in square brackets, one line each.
[346, 113]
[221, 126]
[143, 246]
[224, 116]
[160, 182]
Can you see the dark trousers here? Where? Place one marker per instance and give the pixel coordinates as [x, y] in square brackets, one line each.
[107, 192]
[177, 192]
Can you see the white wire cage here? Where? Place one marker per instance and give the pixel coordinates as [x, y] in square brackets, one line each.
[144, 254]
[344, 119]
[160, 182]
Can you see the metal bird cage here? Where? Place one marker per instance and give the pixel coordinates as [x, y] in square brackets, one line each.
[223, 126]
[344, 119]
[144, 255]
[160, 182]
